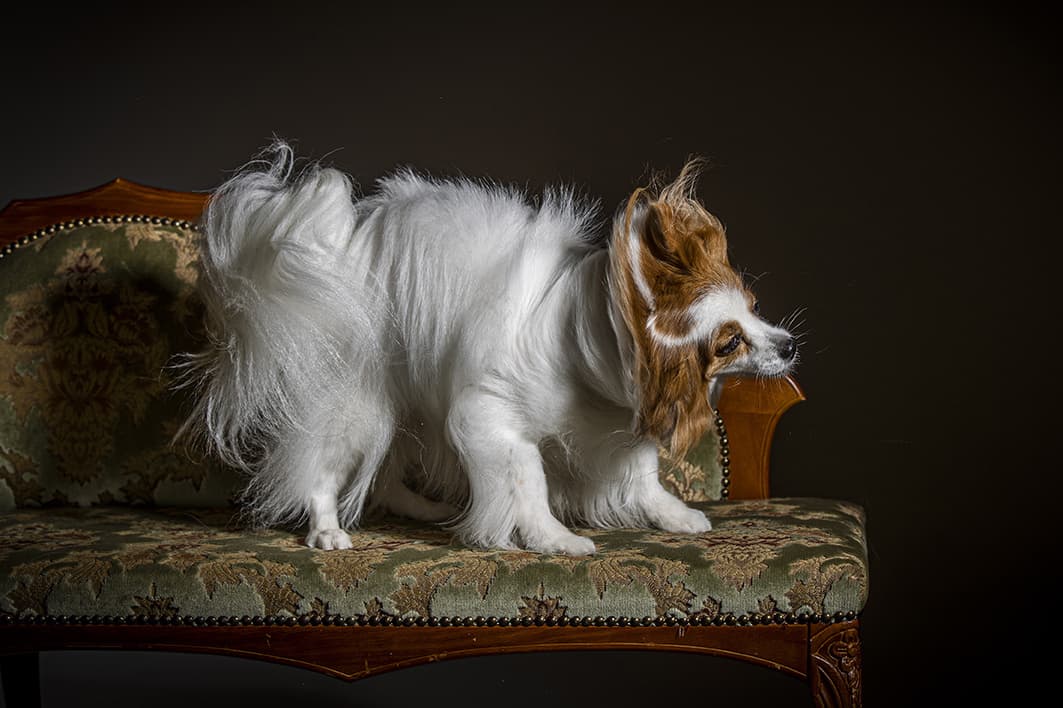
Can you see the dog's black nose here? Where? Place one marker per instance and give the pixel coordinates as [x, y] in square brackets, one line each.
[788, 349]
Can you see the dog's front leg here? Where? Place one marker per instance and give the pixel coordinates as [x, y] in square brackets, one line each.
[620, 484]
[507, 484]
[656, 504]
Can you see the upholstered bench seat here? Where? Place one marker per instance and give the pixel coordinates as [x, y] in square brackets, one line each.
[780, 558]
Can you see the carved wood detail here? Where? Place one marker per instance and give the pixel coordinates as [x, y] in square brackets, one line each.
[356, 652]
[836, 665]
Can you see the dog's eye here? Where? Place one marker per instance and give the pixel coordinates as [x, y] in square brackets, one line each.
[756, 307]
[731, 345]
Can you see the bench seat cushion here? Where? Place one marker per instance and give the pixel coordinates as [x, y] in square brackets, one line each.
[786, 557]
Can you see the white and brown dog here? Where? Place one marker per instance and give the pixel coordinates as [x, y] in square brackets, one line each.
[450, 336]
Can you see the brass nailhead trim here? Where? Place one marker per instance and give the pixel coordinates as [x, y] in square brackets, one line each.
[725, 456]
[316, 619]
[92, 221]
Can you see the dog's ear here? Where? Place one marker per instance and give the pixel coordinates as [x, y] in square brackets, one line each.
[675, 408]
[660, 239]
[683, 235]
[678, 229]
[664, 238]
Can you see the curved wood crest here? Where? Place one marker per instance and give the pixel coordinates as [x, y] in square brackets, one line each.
[22, 217]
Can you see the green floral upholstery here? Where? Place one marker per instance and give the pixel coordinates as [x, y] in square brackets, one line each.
[90, 316]
[101, 516]
[786, 556]
[89, 319]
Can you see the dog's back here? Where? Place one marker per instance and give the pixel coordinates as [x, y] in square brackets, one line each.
[467, 269]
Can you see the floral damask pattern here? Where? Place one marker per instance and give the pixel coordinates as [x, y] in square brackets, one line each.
[789, 555]
[89, 321]
[93, 333]
[699, 475]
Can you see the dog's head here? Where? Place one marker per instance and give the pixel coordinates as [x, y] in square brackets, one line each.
[690, 317]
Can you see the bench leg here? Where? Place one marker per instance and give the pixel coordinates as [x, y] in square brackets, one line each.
[835, 665]
[21, 678]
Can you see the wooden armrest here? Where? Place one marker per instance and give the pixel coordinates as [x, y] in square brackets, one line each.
[750, 409]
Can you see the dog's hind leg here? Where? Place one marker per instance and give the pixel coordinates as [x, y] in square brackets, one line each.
[325, 532]
[321, 466]
[302, 479]
[323, 470]
[508, 494]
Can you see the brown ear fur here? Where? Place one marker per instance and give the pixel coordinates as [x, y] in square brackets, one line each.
[680, 250]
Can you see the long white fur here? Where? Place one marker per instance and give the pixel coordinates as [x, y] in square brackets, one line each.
[448, 328]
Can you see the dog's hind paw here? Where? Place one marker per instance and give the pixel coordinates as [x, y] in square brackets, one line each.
[328, 539]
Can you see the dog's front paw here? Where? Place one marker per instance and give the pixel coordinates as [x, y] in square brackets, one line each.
[568, 544]
[328, 539]
[683, 520]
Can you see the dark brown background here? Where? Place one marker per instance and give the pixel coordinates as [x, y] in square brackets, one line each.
[892, 170]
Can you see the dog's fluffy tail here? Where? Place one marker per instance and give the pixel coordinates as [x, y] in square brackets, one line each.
[282, 327]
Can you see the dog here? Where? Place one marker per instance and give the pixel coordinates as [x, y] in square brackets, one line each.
[454, 351]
